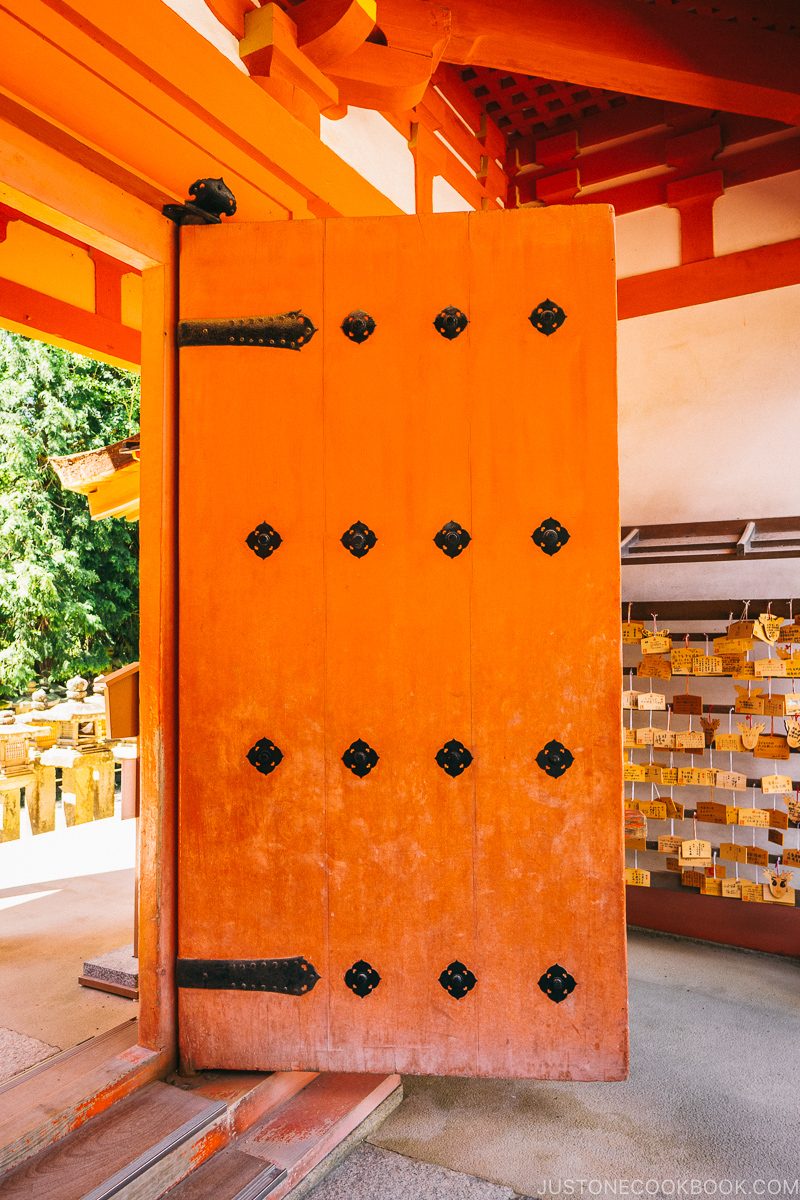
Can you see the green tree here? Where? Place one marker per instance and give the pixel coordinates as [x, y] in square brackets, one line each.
[68, 585]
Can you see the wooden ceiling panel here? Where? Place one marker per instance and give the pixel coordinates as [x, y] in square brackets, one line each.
[527, 104]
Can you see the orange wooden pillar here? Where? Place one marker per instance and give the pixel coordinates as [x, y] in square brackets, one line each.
[158, 667]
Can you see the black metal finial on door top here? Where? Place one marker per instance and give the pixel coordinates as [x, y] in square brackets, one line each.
[451, 322]
[556, 983]
[555, 759]
[264, 756]
[360, 758]
[358, 539]
[211, 199]
[547, 317]
[550, 536]
[362, 978]
[263, 540]
[453, 758]
[452, 538]
[358, 325]
[457, 980]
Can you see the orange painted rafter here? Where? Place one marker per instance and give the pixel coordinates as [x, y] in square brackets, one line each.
[740, 274]
[618, 45]
[433, 157]
[28, 311]
[146, 92]
[437, 116]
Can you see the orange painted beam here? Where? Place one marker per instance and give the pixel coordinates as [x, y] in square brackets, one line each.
[743, 166]
[758, 270]
[622, 45]
[628, 154]
[53, 178]
[33, 313]
[147, 93]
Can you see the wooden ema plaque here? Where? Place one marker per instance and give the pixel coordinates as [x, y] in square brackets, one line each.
[687, 704]
[412, 913]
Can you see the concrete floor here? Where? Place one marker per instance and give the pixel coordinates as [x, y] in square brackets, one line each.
[713, 1094]
[64, 897]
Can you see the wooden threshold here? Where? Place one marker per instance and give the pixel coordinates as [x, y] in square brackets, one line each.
[291, 1149]
[120, 1150]
[58, 1096]
[230, 1135]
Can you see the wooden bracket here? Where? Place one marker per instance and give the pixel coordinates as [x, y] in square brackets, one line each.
[271, 54]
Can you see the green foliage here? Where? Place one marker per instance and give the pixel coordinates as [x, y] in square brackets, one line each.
[68, 585]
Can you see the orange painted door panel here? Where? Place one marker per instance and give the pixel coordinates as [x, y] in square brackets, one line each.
[400, 762]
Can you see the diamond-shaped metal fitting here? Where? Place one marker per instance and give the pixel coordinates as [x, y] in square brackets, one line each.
[550, 536]
[457, 980]
[451, 322]
[547, 317]
[556, 983]
[358, 325]
[263, 540]
[555, 759]
[360, 758]
[453, 758]
[452, 538]
[362, 978]
[358, 539]
[264, 756]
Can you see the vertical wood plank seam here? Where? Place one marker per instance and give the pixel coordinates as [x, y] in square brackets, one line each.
[474, 748]
[171, 800]
[327, 864]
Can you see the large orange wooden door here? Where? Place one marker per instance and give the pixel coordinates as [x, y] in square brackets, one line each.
[400, 764]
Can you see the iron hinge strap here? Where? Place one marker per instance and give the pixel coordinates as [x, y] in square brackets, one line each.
[284, 331]
[288, 976]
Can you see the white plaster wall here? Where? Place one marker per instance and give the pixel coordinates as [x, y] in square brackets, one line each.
[709, 430]
[708, 418]
[773, 579]
[446, 198]
[649, 240]
[374, 148]
[757, 214]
